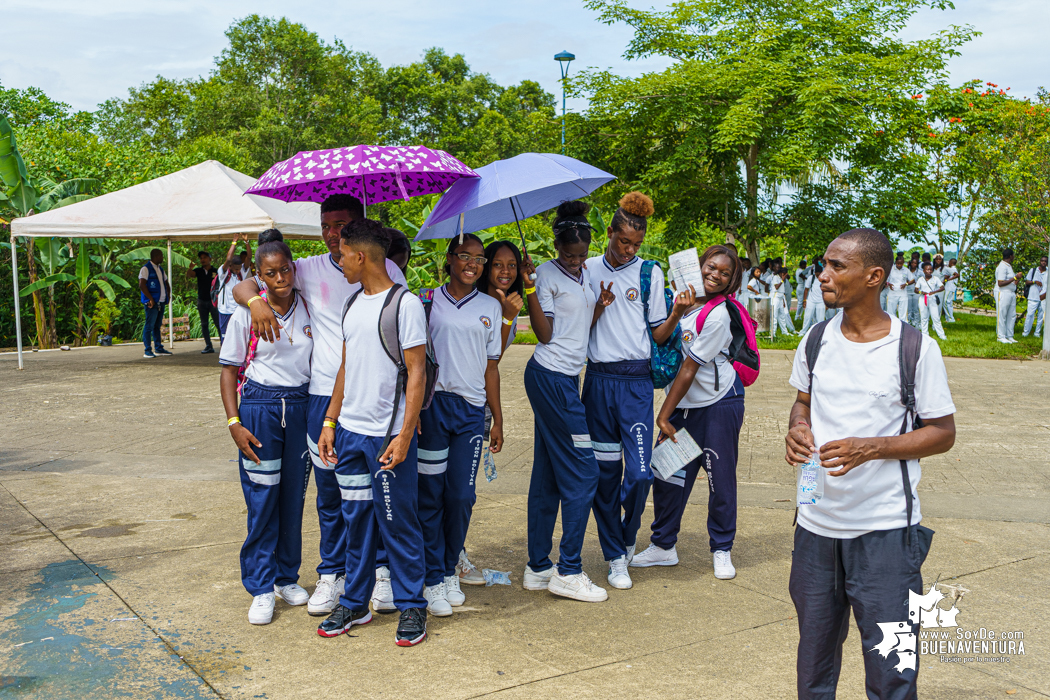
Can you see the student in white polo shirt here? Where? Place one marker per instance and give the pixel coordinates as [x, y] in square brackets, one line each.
[369, 436]
[1035, 287]
[860, 545]
[320, 279]
[269, 428]
[914, 273]
[897, 283]
[618, 388]
[1006, 297]
[951, 283]
[232, 271]
[928, 287]
[812, 298]
[564, 471]
[465, 326]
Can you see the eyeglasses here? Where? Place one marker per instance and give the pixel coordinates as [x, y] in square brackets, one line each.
[467, 257]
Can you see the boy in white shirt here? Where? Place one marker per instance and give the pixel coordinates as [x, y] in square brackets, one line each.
[369, 435]
[1035, 284]
[928, 288]
[951, 283]
[1006, 298]
[849, 411]
[800, 286]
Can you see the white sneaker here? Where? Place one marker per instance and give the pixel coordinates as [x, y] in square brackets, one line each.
[654, 556]
[630, 552]
[536, 581]
[383, 594]
[1004, 341]
[618, 576]
[578, 587]
[724, 565]
[468, 573]
[293, 594]
[453, 593]
[1011, 340]
[437, 603]
[261, 611]
[326, 594]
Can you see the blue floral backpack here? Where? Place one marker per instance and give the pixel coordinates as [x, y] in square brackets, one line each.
[664, 360]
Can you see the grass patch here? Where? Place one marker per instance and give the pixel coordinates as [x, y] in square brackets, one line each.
[525, 338]
[972, 335]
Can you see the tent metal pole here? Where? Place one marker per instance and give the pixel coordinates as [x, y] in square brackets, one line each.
[18, 309]
[171, 294]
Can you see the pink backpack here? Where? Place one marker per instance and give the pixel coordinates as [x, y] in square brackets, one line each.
[743, 348]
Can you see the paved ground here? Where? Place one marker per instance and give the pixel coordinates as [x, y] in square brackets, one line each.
[121, 518]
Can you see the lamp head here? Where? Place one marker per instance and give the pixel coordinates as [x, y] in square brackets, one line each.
[564, 56]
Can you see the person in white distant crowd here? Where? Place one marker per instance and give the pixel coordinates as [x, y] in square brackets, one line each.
[951, 283]
[1035, 287]
[928, 288]
[1006, 297]
[800, 286]
[914, 273]
[861, 546]
[154, 291]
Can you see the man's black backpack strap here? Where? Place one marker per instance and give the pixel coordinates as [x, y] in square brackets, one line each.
[908, 360]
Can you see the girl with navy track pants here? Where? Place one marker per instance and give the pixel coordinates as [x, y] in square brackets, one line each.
[618, 388]
[465, 330]
[564, 471]
[269, 428]
[707, 399]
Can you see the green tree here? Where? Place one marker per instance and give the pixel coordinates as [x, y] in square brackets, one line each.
[761, 94]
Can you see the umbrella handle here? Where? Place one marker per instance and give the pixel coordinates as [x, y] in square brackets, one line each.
[524, 249]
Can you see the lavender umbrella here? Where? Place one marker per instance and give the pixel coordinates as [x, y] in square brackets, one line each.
[373, 174]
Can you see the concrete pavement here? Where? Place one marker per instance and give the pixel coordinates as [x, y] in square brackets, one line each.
[121, 518]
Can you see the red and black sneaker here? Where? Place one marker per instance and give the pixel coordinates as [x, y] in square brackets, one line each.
[412, 627]
[342, 619]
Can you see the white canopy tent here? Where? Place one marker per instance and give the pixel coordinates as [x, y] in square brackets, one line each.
[205, 202]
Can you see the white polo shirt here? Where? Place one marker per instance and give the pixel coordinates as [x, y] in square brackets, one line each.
[225, 303]
[370, 378]
[707, 350]
[898, 279]
[1005, 271]
[569, 303]
[815, 295]
[800, 278]
[928, 286]
[950, 285]
[1035, 291]
[856, 393]
[620, 333]
[285, 362]
[466, 334]
[321, 281]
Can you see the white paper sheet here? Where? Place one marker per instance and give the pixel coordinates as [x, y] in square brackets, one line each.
[685, 270]
[669, 457]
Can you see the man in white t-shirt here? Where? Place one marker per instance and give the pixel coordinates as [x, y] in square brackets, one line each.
[854, 548]
[369, 435]
[154, 292]
[1006, 298]
[1035, 284]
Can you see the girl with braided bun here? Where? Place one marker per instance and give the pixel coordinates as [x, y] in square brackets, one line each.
[562, 308]
[618, 389]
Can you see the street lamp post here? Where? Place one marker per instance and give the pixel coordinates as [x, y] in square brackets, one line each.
[564, 59]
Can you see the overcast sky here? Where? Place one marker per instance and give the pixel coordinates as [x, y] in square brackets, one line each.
[85, 52]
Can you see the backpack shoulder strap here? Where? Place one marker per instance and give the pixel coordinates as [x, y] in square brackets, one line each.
[907, 360]
[389, 326]
[349, 303]
[645, 281]
[813, 342]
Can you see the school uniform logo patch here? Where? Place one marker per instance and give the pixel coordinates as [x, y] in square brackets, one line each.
[687, 337]
[486, 321]
[631, 294]
[307, 332]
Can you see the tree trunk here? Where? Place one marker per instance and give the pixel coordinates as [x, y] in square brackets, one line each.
[751, 172]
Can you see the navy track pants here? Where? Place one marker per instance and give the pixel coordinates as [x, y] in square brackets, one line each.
[274, 489]
[450, 448]
[716, 429]
[377, 501]
[871, 574]
[618, 398]
[564, 471]
[329, 504]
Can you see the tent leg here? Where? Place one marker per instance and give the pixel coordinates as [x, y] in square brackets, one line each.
[171, 295]
[18, 310]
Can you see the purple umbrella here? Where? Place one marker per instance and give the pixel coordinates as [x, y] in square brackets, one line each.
[373, 174]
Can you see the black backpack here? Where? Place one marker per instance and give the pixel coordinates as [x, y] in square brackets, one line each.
[389, 327]
[909, 347]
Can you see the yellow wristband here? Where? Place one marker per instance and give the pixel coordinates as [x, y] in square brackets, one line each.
[253, 299]
[530, 290]
[508, 322]
[233, 420]
[329, 424]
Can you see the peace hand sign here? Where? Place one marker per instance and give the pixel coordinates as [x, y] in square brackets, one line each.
[606, 297]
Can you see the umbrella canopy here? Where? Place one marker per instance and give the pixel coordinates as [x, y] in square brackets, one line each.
[510, 190]
[373, 174]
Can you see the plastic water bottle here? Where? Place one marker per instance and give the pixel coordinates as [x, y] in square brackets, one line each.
[810, 481]
[493, 577]
[490, 465]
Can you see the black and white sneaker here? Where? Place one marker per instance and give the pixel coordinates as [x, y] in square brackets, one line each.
[342, 619]
[412, 627]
